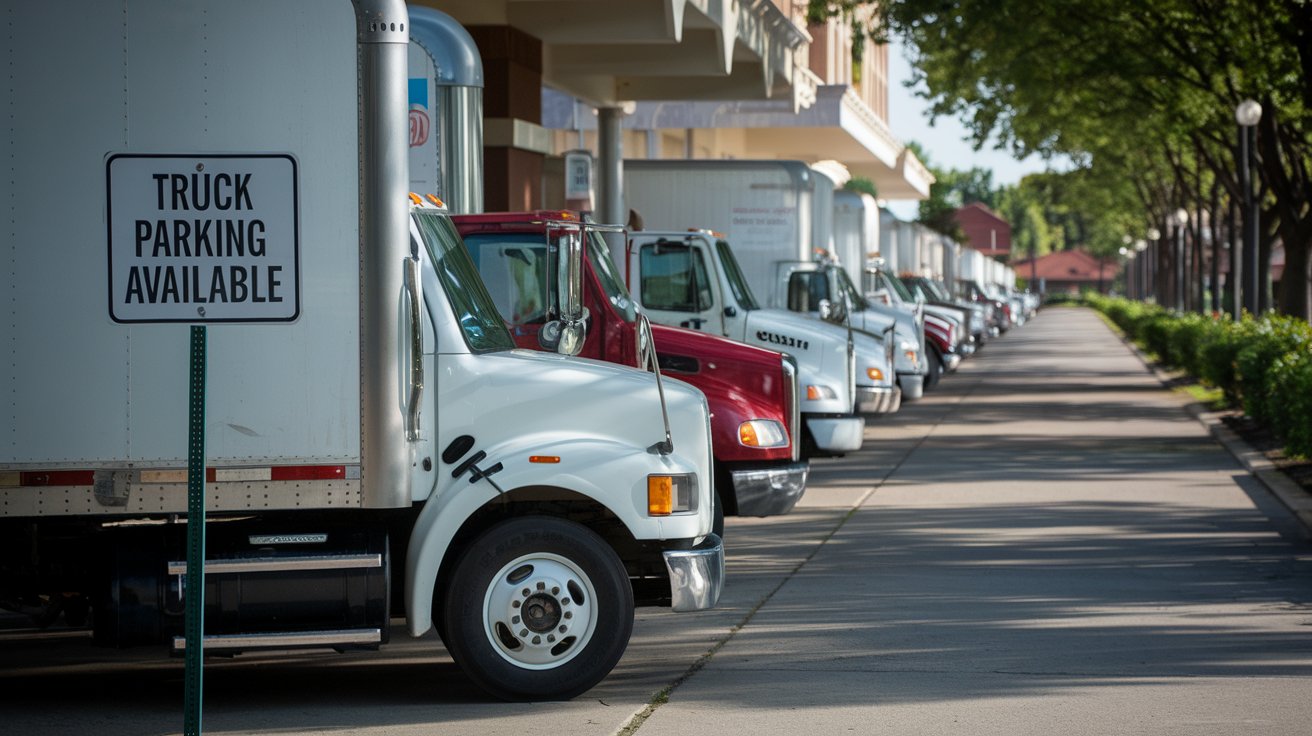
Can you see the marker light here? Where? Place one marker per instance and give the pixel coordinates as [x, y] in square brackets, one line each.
[416, 199]
[433, 198]
[875, 374]
[816, 393]
[671, 494]
[550, 459]
[762, 433]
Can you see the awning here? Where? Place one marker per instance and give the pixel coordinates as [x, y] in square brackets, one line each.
[606, 52]
[838, 126]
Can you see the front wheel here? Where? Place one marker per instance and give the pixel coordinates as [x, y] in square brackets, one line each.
[538, 608]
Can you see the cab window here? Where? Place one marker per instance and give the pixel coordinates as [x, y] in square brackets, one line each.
[806, 289]
[674, 278]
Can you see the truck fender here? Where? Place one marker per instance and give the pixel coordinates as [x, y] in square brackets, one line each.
[453, 503]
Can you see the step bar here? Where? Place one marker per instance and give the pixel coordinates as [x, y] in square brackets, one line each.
[281, 564]
[285, 640]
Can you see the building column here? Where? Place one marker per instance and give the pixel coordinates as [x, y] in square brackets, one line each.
[514, 143]
[610, 176]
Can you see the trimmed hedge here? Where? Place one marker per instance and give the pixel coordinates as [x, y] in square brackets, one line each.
[1262, 365]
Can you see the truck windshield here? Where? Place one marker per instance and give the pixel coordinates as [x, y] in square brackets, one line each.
[470, 303]
[900, 288]
[737, 284]
[846, 288]
[516, 271]
[609, 276]
[933, 289]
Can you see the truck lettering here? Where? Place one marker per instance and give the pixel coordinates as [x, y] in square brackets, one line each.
[183, 238]
[182, 285]
[201, 191]
[785, 340]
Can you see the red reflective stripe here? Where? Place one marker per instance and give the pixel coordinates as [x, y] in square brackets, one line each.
[57, 478]
[88, 477]
[308, 472]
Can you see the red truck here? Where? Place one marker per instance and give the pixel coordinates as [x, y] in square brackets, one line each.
[752, 392]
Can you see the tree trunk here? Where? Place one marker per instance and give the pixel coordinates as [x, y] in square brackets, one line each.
[1295, 294]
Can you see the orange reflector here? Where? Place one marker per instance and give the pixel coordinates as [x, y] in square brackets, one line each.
[415, 198]
[660, 495]
[875, 374]
[812, 393]
[551, 459]
[747, 435]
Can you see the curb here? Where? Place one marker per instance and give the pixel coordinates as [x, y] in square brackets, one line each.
[1287, 492]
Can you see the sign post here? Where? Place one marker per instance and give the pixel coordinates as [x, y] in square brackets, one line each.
[198, 239]
[195, 593]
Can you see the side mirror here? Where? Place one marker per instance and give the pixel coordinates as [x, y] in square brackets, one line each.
[646, 344]
[826, 310]
[569, 276]
[567, 334]
[564, 337]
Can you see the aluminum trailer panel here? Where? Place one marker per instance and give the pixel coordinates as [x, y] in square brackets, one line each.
[88, 392]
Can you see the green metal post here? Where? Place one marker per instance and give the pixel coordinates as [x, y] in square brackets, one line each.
[195, 615]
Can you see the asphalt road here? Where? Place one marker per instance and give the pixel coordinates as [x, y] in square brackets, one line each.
[1047, 544]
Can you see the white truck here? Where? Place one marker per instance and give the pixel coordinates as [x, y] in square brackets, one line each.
[778, 217]
[380, 447]
[692, 279]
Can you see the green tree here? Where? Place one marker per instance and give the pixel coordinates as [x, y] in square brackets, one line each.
[1139, 95]
[938, 211]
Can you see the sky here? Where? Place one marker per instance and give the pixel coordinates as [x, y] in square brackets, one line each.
[945, 142]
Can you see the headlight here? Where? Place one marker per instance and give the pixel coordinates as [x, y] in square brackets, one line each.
[816, 393]
[762, 433]
[671, 494]
[875, 374]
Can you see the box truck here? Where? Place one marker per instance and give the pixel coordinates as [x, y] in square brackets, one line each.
[377, 445]
[691, 279]
[777, 216]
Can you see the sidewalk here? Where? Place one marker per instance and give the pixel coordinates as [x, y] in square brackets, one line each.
[1063, 550]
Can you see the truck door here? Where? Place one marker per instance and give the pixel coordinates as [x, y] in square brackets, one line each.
[675, 284]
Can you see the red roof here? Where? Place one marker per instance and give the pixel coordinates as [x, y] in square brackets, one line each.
[1069, 265]
[985, 231]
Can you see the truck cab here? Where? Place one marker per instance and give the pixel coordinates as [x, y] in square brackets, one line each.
[691, 279]
[947, 341]
[752, 392]
[824, 290]
[971, 315]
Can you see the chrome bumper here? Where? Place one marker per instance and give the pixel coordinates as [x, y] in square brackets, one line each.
[769, 491]
[951, 361]
[913, 385]
[696, 575]
[837, 434]
[877, 399]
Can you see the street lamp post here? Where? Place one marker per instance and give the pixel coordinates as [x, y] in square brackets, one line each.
[1180, 301]
[1141, 269]
[1247, 114]
[1150, 265]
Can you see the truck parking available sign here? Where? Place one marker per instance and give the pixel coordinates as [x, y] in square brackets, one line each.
[203, 238]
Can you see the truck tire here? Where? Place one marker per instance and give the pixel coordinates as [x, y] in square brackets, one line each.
[538, 608]
[935, 368]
